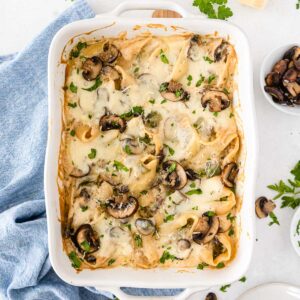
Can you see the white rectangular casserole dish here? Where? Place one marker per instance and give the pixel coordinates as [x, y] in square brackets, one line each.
[112, 25]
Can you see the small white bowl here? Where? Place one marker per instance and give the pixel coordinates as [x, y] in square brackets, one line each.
[267, 65]
[295, 237]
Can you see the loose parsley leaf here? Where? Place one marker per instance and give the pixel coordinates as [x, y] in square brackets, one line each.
[171, 151]
[73, 88]
[274, 219]
[243, 279]
[220, 265]
[73, 105]
[119, 166]
[207, 59]
[84, 208]
[200, 81]
[163, 57]
[189, 79]
[215, 113]
[138, 240]
[76, 263]
[72, 132]
[172, 168]
[86, 246]
[136, 69]
[146, 139]
[298, 228]
[210, 213]
[194, 192]
[168, 218]
[202, 266]
[134, 112]
[224, 288]
[211, 78]
[92, 154]
[97, 83]
[193, 185]
[152, 101]
[127, 149]
[166, 256]
[76, 50]
[163, 101]
[111, 261]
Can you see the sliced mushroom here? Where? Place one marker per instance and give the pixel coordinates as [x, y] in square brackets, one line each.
[281, 66]
[206, 228]
[145, 226]
[216, 100]
[217, 247]
[110, 122]
[85, 194]
[152, 119]
[296, 58]
[290, 53]
[211, 296]
[289, 81]
[183, 249]
[229, 174]
[86, 239]
[173, 91]
[109, 53]
[272, 79]
[290, 75]
[133, 146]
[91, 68]
[263, 207]
[78, 173]
[91, 259]
[194, 52]
[191, 174]
[116, 232]
[221, 52]
[183, 244]
[110, 73]
[121, 207]
[276, 93]
[173, 175]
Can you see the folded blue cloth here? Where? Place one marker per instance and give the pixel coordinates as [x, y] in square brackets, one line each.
[25, 270]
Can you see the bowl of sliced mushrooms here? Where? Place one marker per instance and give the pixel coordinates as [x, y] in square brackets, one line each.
[280, 78]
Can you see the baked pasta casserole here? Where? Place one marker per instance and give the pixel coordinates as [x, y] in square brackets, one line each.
[150, 153]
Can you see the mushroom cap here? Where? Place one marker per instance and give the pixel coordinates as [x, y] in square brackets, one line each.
[276, 93]
[206, 228]
[229, 173]
[216, 100]
[110, 73]
[121, 207]
[173, 175]
[173, 91]
[281, 66]
[78, 173]
[273, 79]
[109, 53]
[263, 207]
[85, 239]
[91, 68]
[211, 296]
[221, 52]
[111, 122]
[144, 226]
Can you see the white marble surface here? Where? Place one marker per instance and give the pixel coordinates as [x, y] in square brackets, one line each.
[274, 259]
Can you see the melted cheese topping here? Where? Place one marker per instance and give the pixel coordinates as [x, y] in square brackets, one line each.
[103, 165]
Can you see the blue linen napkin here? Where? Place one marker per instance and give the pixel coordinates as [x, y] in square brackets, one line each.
[25, 269]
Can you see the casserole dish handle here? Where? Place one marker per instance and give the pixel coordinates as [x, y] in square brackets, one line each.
[123, 296]
[151, 5]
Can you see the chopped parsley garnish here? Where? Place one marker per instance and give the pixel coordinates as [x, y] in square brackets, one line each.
[193, 185]
[168, 218]
[76, 263]
[298, 4]
[97, 83]
[163, 101]
[146, 139]
[166, 256]
[163, 87]
[230, 217]
[200, 81]
[225, 91]
[194, 192]
[171, 151]
[231, 115]
[231, 231]
[189, 79]
[211, 78]
[136, 69]
[138, 240]
[90, 116]
[144, 192]
[210, 213]
[195, 208]
[92, 154]
[86, 246]
[274, 219]
[207, 59]
[134, 112]
[172, 168]
[72, 132]
[127, 149]
[119, 166]
[73, 105]
[224, 288]
[163, 57]
[73, 88]
[298, 228]
[220, 265]
[178, 93]
[111, 261]
[215, 113]
[214, 9]
[84, 208]
[152, 101]
[76, 51]
[243, 279]
[202, 266]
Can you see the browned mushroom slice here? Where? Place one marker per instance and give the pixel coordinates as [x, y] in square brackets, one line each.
[191, 174]
[78, 173]
[173, 175]
[206, 228]
[194, 52]
[276, 93]
[121, 207]
[290, 53]
[281, 66]
[229, 173]
[215, 100]
[221, 52]
[110, 73]
[272, 79]
[211, 296]
[296, 58]
[217, 247]
[109, 53]
[289, 81]
[173, 91]
[85, 239]
[184, 249]
[145, 226]
[263, 207]
[111, 122]
[91, 68]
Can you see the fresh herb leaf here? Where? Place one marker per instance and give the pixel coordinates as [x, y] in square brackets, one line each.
[200, 81]
[195, 208]
[72, 132]
[225, 91]
[210, 213]
[296, 171]
[97, 83]
[86, 246]
[134, 112]
[193, 185]
[172, 168]
[231, 115]
[178, 93]
[274, 219]
[202, 266]
[92, 154]
[166, 256]
[136, 69]
[290, 202]
[168, 218]
[215, 113]
[298, 228]
[231, 231]
[211, 78]
[163, 57]
[111, 261]
[76, 50]
[138, 240]
[194, 192]
[152, 101]
[76, 263]
[163, 87]
[163, 101]
[73, 88]
[224, 288]
[73, 105]
[220, 265]
[189, 79]
[243, 279]
[146, 139]
[207, 59]
[127, 149]
[84, 208]
[171, 151]
[119, 166]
